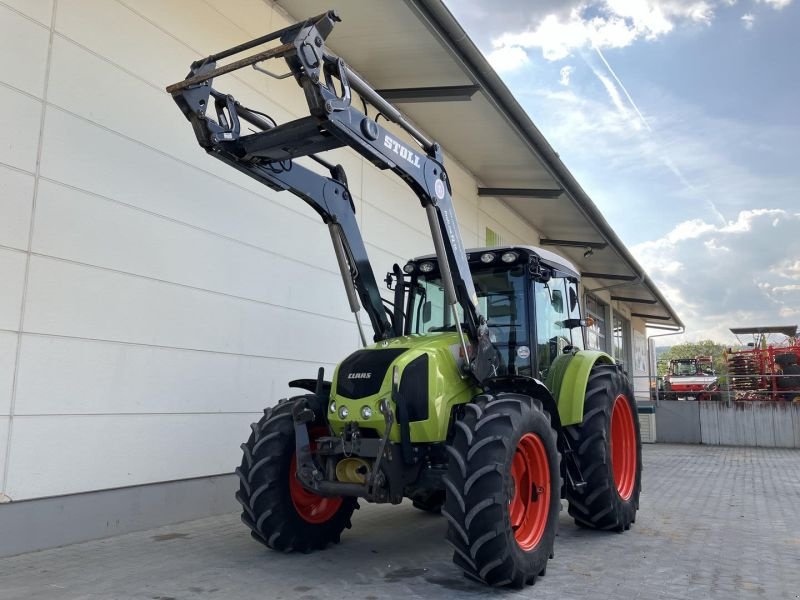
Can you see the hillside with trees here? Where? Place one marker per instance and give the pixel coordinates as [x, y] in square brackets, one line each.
[690, 350]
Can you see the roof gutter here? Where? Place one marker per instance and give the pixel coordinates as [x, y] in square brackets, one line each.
[443, 25]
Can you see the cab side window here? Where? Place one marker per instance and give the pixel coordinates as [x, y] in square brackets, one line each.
[552, 301]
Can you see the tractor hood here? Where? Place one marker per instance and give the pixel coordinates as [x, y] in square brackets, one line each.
[430, 383]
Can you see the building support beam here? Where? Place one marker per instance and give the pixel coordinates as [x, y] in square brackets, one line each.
[656, 317]
[611, 276]
[573, 244]
[445, 93]
[636, 300]
[542, 194]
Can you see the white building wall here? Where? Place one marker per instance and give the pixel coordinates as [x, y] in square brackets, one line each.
[154, 300]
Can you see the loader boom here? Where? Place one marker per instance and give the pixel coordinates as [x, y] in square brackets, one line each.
[268, 156]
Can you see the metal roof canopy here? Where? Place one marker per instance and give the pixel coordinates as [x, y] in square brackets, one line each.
[490, 134]
[787, 330]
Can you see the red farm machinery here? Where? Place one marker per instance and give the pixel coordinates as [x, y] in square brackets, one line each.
[765, 368]
[690, 378]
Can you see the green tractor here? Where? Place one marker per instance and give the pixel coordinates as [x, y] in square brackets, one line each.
[475, 398]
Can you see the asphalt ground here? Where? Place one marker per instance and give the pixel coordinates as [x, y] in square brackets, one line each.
[715, 522]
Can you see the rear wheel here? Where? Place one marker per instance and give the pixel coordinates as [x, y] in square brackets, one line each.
[279, 511]
[608, 449]
[503, 490]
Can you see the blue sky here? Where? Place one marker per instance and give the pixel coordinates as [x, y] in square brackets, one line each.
[680, 119]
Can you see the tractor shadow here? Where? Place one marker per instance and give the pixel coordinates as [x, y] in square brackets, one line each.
[402, 552]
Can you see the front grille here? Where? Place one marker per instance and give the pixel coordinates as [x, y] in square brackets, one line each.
[362, 373]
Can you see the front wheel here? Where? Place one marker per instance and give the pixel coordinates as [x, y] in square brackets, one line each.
[608, 449]
[279, 511]
[503, 490]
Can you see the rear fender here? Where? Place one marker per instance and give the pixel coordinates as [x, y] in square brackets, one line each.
[567, 379]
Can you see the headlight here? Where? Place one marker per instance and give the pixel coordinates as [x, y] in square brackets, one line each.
[366, 413]
[509, 257]
[333, 406]
[343, 412]
[426, 267]
[409, 268]
[487, 257]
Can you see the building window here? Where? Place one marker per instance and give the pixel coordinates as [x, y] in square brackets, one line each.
[597, 333]
[493, 238]
[621, 335]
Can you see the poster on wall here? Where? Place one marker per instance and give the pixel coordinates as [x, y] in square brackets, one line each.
[639, 352]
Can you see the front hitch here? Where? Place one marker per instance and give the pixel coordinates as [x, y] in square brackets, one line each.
[307, 469]
[310, 475]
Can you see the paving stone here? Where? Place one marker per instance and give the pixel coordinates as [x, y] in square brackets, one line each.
[715, 522]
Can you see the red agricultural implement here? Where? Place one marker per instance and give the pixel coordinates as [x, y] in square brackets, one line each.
[765, 368]
[690, 378]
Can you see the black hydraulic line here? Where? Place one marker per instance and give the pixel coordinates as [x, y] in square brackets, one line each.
[253, 118]
[386, 109]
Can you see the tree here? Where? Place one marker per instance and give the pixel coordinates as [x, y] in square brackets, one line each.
[692, 349]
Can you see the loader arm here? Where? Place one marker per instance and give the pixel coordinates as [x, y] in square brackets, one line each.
[268, 155]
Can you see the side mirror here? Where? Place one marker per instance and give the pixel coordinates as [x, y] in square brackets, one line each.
[426, 311]
[573, 323]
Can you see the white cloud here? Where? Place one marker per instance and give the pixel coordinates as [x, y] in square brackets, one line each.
[717, 277]
[507, 58]
[613, 94]
[606, 24]
[787, 269]
[776, 4]
[565, 73]
[702, 152]
[748, 19]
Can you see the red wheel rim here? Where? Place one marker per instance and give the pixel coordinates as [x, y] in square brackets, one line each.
[311, 507]
[530, 504]
[623, 447]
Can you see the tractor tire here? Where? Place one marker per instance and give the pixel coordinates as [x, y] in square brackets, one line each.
[280, 513]
[608, 449]
[503, 487]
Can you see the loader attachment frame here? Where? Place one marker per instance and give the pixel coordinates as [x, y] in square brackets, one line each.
[268, 156]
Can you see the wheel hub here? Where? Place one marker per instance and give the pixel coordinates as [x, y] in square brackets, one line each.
[530, 494]
[623, 447]
[311, 507]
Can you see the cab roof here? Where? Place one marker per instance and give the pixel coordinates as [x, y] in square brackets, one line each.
[549, 258]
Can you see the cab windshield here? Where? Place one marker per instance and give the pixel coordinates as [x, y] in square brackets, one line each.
[685, 368]
[501, 298]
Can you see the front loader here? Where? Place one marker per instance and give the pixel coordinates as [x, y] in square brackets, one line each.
[474, 398]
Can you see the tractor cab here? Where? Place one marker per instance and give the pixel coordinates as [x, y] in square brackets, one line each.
[529, 296]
